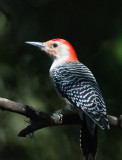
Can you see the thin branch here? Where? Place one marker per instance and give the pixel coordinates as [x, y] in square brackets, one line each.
[67, 119]
[19, 108]
[46, 120]
[41, 120]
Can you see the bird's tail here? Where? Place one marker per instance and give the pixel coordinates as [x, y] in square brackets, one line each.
[88, 142]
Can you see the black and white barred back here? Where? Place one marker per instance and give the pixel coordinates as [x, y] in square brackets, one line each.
[76, 83]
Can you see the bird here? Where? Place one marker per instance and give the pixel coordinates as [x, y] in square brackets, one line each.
[78, 87]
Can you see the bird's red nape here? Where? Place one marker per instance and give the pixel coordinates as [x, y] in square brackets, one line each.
[73, 56]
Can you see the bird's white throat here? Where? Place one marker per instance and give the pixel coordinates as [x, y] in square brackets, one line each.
[60, 59]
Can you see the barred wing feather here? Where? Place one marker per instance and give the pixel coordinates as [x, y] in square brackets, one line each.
[75, 82]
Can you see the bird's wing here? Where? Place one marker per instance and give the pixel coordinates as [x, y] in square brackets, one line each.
[76, 83]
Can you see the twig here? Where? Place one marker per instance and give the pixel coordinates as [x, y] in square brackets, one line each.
[19, 108]
[41, 120]
[46, 120]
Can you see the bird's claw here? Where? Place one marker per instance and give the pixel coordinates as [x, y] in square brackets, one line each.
[57, 117]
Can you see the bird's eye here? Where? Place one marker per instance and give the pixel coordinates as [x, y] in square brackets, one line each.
[55, 45]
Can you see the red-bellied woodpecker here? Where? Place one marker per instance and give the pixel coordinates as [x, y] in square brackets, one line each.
[77, 85]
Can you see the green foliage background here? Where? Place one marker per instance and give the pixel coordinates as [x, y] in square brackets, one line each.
[94, 28]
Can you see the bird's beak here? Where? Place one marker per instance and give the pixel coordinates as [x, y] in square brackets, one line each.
[37, 44]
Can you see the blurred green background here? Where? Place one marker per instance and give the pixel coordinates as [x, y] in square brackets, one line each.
[94, 28]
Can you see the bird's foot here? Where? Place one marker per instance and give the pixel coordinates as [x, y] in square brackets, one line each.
[57, 116]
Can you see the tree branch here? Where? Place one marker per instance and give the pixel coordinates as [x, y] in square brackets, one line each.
[41, 120]
[19, 108]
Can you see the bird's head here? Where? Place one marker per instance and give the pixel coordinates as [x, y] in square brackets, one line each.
[59, 49]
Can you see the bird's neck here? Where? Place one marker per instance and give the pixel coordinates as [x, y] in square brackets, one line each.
[58, 62]
[64, 58]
